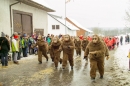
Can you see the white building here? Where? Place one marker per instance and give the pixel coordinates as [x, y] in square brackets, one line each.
[57, 25]
[24, 16]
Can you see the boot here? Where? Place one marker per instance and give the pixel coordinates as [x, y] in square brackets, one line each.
[16, 62]
[52, 60]
[93, 79]
[40, 62]
[72, 67]
[56, 67]
[60, 61]
[47, 59]
[101, 77]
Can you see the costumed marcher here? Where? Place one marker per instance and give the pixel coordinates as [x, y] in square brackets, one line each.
[84, 45]
[96, 52]
[106, 49]
[50, 51]
[78, 46]
[68, 51]
[55, 51]
[42, 49]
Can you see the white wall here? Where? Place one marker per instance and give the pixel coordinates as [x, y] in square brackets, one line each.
[4, 17]
[39, 16]
[71, 32]
[52, 21]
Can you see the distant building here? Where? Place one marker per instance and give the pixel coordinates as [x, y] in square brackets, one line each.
[57, 25]
[82, 30]
[25, 16]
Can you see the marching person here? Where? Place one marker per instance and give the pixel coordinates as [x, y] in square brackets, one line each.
[96, 52]
[78, 46]
[55, 50]
[68, 51]
[84, 45]
[42, 49]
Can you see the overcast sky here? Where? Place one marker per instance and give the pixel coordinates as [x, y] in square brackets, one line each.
[93, 13]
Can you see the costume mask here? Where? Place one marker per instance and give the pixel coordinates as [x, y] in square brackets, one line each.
[95, 39]
[55, 40]
[66, 37]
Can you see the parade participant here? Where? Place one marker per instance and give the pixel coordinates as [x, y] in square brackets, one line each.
[96, 52]
[84, 45]
[42, 49]
[117, 41]
[81, 37]
[89, 38]
[78, 46]
[68, 51]
[106, 48]
[55, 51]
[50, 50]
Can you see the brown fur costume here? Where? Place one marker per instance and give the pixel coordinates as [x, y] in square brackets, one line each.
[97, 58]
[78, 46]
[106, 48]
[68, 51]
[42, 50]
[51, 52]
[84, 44]
[55, 52]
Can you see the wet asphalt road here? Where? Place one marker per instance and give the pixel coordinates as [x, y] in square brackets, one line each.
[30, 73]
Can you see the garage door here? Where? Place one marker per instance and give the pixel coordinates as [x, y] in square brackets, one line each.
[22, 22]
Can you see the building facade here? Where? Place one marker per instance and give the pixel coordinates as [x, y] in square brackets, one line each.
[57, 25]
[82, 30]
[24, 16]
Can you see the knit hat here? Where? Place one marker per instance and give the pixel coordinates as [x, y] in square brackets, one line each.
[24, 35]
[2, 34]
[15, 36]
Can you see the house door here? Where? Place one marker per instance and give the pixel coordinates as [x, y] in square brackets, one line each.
[17, 23]
[26, 22]
[22, 22]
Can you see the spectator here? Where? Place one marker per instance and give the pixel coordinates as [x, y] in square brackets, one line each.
[121, 40]
[5, 48]
[15, 47]
[25, 45]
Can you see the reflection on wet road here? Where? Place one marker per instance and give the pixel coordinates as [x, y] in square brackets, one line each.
[30, 73]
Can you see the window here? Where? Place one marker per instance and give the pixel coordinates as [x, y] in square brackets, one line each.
[57, 27]
[53, 26]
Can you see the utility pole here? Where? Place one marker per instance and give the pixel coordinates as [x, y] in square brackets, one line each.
[65, 18]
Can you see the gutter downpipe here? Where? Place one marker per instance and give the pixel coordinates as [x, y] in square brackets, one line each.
[11, 15]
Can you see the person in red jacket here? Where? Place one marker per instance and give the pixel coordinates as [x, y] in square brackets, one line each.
[81, 37]
[109, 44]
[89, 38]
